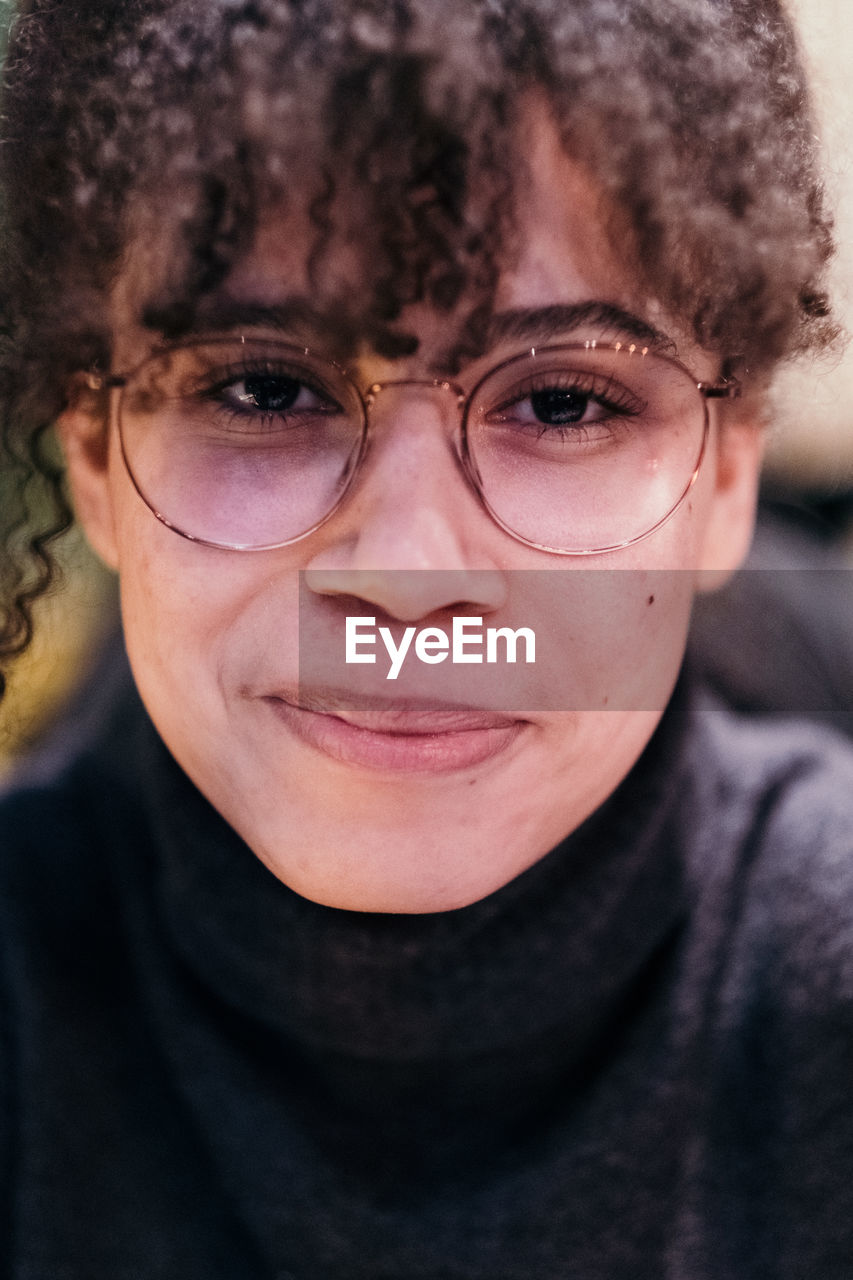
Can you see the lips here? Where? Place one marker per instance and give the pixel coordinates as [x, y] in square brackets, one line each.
[404, 736]
[385, 715]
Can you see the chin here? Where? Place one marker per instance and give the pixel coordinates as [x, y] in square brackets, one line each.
[392, 864]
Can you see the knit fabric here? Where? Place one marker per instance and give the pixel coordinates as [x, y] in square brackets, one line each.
[634, 1060]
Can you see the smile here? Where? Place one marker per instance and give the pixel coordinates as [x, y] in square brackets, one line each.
[404, 737]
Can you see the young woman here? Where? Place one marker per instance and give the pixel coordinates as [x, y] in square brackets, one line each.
[373, 331]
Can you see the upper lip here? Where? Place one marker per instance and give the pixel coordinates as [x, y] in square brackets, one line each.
[403, 716]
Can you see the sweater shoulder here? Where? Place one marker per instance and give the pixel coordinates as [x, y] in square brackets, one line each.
[49, 829]
[782, 789]
[771, 855]
[66, 814]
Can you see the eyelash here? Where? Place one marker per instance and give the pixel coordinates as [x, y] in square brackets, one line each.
[214, 383]
[611, 396]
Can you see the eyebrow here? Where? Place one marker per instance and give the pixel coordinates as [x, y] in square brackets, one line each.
[224, 313]
[544, 324]
[557, 321]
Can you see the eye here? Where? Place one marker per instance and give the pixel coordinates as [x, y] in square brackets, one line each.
[563, 399]
[559, 406]
[273, 394]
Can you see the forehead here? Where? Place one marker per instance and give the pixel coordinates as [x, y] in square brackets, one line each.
[562, 248]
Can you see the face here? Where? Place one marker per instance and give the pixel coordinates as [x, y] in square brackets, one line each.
[407, 803]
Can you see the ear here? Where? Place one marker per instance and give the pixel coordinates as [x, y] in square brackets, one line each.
[738, 442]
[84, 434]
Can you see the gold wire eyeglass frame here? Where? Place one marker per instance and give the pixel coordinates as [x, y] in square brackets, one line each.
[116, 385]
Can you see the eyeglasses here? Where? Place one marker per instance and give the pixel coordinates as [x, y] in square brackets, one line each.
[252, 443]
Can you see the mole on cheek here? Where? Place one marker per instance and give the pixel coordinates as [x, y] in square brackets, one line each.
[650, 600]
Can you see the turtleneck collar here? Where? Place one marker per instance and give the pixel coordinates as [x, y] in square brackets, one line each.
[554, 953]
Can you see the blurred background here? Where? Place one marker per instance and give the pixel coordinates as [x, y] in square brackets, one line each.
[811, 443]
[809, 472]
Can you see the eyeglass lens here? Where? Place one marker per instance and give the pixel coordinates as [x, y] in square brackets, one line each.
[253, 443]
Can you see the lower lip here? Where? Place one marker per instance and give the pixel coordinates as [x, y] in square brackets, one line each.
[443, 751]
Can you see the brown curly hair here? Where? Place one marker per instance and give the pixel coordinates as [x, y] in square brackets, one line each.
[691, 114]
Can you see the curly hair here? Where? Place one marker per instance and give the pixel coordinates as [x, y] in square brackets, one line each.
[392, 122]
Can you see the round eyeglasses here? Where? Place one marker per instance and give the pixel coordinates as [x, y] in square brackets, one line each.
[249, 443]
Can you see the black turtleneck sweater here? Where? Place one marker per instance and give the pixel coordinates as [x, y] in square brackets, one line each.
[635, 1060]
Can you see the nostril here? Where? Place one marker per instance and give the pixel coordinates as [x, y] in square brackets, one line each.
[408, 595]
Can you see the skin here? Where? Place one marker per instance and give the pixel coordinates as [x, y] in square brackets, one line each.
[352, 815]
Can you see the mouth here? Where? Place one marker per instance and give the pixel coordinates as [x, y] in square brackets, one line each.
[395, 737]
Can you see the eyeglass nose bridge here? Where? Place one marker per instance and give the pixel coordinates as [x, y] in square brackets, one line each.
[429, 384]
[444, 385]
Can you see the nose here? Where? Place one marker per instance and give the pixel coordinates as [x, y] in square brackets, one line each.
[413, 538]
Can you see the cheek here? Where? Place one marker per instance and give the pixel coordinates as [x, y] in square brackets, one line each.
[173, 631]
[607, 638]
[197, 620]
[628, 637]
